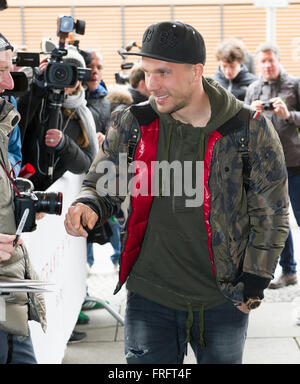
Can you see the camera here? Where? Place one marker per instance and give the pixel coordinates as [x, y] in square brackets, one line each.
[23, 59]
[123, 78]
[59, 75]
[268, 106]
[67, 24]
[47, 202]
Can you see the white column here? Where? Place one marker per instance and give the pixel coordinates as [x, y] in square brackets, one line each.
[271, 24]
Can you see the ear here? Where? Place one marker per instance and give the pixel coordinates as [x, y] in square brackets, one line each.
[198, 71]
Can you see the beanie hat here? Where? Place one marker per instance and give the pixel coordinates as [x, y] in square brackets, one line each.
[175, 42]
[74, 57]
[88, 58]
[5, 44]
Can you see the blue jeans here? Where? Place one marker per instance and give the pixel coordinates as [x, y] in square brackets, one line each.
[89, 254]
[16, 349]
[155, 334]
[115, 241]
[287, 259]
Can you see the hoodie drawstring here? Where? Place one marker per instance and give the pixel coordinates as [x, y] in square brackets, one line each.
[201, 327]
[189, 324]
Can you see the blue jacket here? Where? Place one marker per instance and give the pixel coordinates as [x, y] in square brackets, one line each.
[14, 144]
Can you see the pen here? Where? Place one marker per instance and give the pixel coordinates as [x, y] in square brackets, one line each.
[21, 226]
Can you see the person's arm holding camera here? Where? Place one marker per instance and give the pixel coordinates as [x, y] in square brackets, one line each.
[53, 137]
[74, 158]
[280, 108]
[257, 105]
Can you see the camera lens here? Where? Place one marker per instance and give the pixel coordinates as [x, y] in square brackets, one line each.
[60, 74]
[50, 202]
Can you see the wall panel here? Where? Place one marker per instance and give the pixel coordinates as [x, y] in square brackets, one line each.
[108, 30]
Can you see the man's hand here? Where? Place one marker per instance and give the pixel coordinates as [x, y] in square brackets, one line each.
[78, 217]
[257, 105]
[243, 308]
[53, 137]
[43, 64]
[280, 108]
[6, 246]
[279, 105]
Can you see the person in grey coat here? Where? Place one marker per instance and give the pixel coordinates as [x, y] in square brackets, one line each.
[16, 308]
[276, 94]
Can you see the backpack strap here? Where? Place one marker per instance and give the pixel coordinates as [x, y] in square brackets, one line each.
[242, 137]
[132, 143]
[239, 126]
[144, 114]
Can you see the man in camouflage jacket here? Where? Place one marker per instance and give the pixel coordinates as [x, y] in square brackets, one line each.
[194, 267]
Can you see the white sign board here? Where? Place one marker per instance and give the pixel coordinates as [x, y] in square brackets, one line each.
[60, 259]
[271, 3]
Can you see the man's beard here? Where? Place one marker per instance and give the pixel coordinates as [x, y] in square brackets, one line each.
[177, 106]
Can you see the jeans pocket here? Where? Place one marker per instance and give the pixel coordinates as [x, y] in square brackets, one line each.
[239, 311]
[130, 296]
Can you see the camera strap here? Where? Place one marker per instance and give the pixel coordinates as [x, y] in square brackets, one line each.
[11, 179]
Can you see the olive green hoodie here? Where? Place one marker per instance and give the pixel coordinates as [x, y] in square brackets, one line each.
[174, 267]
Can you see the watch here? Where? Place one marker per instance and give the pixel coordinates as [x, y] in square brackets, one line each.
[253, 303]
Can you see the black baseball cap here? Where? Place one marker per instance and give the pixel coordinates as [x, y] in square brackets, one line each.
[175, 42]
[5, 44]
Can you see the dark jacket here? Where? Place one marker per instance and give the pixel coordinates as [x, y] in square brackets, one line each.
[246, 231]
[288, 89]
[99, 105]
[237, 86]
[137, 96]
[76, 151]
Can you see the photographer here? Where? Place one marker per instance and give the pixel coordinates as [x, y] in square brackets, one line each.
[277, 95]
[15, 341]
[95, 95]
[73, 142]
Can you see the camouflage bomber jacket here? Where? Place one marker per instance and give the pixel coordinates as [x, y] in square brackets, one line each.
[247, 230]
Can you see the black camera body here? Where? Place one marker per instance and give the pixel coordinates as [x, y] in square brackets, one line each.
[23, 59]
[47, 202]
[60, 75]
[268, 106]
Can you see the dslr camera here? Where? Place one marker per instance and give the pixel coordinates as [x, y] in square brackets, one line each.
[59, 75]
[47, 202]
[268, 106]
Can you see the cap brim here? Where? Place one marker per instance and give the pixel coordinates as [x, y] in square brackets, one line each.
[156, 57]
